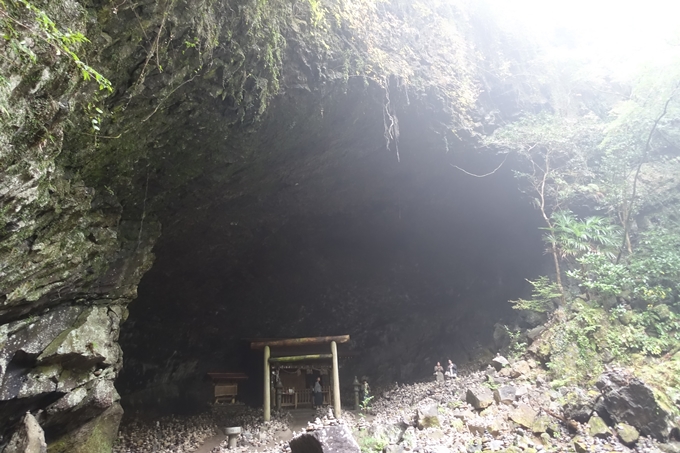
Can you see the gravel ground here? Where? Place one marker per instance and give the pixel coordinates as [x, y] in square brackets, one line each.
[399, 416]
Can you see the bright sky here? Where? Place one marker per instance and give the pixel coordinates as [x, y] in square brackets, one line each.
[618, 33]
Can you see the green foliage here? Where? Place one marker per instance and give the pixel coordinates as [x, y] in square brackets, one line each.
[43, 27]
[575, 238]
[574, 355]
[518, 344]
[371, 444]
[651, 274]
[365, 404]
[592, 335]
[491, 384]
[544, 296]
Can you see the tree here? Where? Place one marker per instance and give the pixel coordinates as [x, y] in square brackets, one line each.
[554, 153]
[641, 125]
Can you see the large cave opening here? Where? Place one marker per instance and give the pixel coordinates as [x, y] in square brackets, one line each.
[330, 229]
[185, 184]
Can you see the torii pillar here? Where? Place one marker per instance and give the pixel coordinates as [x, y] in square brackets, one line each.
[336, 381]
[267, 386]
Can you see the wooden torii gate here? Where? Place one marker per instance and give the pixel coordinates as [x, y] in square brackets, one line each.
[266, 345]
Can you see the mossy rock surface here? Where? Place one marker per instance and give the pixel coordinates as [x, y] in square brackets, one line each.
[628, 434]
[598, 428]
[96, 436]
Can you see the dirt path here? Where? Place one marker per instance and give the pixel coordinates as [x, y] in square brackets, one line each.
[211, 443]
[300, 417]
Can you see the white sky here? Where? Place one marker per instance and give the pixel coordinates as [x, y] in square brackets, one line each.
[620, 34]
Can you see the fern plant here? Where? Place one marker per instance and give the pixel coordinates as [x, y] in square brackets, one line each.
[544, 296]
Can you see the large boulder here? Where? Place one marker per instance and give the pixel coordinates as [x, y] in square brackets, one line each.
[578, 404]
[522, 368]
[629, 400]
[499, 362]
[428, 417]
[330, 439]
[505, 394]
[597, 427]
[95, 436]
[524, 416]
[28, 437]
[479, 398]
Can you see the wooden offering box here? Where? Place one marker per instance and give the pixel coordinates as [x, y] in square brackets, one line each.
[226, 386]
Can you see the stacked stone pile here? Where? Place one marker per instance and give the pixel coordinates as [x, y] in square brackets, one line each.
[167, 435]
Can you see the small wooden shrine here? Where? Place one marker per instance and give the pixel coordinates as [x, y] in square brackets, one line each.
[291, 366]
[225, 386]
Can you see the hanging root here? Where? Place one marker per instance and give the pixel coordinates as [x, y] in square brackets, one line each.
[391, 123]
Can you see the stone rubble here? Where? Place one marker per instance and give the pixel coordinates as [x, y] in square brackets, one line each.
[172, 434]
[526, 416]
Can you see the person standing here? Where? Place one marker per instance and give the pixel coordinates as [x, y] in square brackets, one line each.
[439, 372]
[318, 393]
[452, 370]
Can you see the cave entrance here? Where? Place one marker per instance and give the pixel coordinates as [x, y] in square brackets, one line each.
[285, 360]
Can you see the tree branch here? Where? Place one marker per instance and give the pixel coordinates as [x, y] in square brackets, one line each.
[486, 174]
[643, 159]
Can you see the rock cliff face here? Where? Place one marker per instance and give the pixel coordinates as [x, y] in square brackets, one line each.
[87, 177]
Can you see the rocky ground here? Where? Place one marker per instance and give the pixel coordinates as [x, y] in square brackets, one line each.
[508, 407]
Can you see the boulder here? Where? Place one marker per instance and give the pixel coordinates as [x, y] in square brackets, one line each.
[477, 426]
[522, 367]
[629, 400]
[627, 434]
[525, 442]
[28, 438]
[580, 445]
[509, 373]
[521, 390]
[479, 398]
[457, 424]
[495, 427]
[465, 415]
[505, 394]
[670, 447]
[662, 312]
[499, 362]
[534, 333]
[95, 436]
[543, 424]
[523, 415]
[578, 404]
[598, 428]
[428, 417]
[331, 439]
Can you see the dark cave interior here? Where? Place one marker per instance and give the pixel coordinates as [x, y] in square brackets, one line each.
[326, 232]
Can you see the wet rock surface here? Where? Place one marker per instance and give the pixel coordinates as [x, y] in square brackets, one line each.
[629, 400]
